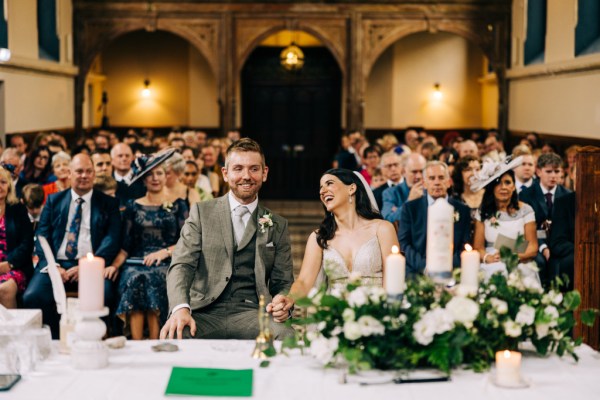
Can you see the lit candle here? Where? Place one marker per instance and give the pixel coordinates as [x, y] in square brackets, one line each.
[440, 239]
[394, 274]
[469, 269]
[91, 283]
[508, 368]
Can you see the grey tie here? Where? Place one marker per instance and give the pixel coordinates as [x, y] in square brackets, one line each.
[238, 222]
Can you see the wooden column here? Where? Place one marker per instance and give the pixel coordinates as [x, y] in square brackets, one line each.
[354, 77]
[587, 239]
[227, 78]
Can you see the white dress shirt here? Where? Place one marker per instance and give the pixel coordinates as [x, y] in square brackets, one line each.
[84, 243]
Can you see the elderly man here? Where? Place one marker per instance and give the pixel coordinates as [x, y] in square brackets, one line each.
[227, 257]
[468, 148]
[392, 168]
[122, 156]
[410, 189]
[412, 232]
[75, 222]
[12, 160]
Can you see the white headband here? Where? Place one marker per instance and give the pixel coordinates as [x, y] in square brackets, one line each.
[374, 205]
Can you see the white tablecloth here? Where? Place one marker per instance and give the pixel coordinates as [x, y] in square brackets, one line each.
[136, 372]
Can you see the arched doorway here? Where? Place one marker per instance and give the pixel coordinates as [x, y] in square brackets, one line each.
[400, 90]
[294, 115]
[181, 83]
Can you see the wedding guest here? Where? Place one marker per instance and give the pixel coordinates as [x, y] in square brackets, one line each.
[541, 197]
[102, 163]
[19, 143]
[344, 158]
[392, 167]
[61, 169]
[122, 157]
[468, 148]
[464, 169]
[37, 167]
[190, 179]
[174, 188]
[501, 212]
[410, 189]
[33, 199]
[106, 184]
[151, 229]
[190, 153]
[203, 181]
[412, 228]
[570, 155]
[371, 159]
[231, 251]
[524, 173]
[11, 160]
[353, 237]
[16, 243]
[377, 180]
[562, 239]
[212, 170]
[75, 222]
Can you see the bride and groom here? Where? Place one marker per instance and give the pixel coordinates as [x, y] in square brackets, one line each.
[232, 250]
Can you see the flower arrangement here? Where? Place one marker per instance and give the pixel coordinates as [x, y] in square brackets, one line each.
[265, 221]
[359, 327]
[167, 206]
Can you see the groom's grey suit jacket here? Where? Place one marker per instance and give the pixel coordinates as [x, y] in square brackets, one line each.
[201, 266]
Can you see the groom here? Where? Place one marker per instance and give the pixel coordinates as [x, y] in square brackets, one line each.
[231, 251]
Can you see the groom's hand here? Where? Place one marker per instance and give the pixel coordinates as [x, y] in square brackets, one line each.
[178, 320]
[280, 307]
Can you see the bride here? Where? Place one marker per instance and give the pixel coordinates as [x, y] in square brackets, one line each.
[353, 239]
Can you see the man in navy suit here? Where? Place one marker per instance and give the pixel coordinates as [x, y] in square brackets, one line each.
[412, 232]
[411, 189]
[541, 196]
[75, 221]
[391, 168]
[122, 156]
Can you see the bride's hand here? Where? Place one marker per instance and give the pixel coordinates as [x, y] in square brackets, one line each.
[280, 307]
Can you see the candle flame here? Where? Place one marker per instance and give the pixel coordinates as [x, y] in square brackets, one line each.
[468, 247]
[90, 256]
[506, 354]
[395, 249]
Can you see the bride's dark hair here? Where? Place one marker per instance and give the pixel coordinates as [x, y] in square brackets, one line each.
[328, 227]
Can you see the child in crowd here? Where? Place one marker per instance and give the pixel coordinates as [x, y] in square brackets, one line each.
[33, 199]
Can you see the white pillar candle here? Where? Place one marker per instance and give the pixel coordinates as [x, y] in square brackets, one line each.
[394, 273]
[440, 238]
[91, 283]
[469, 269]
[508, 368]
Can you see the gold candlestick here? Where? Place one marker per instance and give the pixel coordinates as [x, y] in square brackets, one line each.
[264, 341]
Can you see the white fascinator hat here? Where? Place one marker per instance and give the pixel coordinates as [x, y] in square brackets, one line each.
[492, 170]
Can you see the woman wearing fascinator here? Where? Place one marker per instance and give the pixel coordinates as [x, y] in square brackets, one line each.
[502, 214]
[353, 239]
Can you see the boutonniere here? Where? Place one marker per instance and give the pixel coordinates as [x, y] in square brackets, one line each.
[265, 221]
[456, 216]
[494, 220]
[167, 206]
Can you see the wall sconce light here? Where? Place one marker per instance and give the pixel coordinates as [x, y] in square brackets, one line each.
[146, 92]
[437, 92]
[4, 55]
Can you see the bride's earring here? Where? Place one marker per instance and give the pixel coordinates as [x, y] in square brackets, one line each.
[350, 199]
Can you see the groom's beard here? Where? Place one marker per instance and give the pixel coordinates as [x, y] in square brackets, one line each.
[246, 193]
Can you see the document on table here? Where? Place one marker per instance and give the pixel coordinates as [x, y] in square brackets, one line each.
[210, 382]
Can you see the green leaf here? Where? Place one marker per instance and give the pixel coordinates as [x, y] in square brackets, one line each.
[304, 302]
[588, 317]
[270, 351]
[572, 300]
[265, 363]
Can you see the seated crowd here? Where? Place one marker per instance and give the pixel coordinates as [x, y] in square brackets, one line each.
[110, 198]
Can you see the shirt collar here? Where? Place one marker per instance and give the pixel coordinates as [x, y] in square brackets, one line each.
[390, 183]
[233, 203]
[544, 190]
[430, 199]
[86, 197]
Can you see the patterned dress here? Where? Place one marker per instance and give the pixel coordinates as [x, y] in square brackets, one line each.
[17, 276]
[147, 229]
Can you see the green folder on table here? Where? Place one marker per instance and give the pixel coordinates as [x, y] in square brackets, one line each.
[210, 382]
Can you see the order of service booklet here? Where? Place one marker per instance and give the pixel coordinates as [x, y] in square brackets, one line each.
[210, 382]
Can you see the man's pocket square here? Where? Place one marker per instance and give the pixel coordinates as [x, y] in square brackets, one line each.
[270, 244]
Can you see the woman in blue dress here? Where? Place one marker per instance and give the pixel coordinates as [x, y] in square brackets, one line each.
[151, 227]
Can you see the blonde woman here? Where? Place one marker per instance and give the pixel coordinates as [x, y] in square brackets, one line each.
[174, 188]
[61, 168]
[16, 242]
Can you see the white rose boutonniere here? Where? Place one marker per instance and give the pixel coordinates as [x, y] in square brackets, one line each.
[456, 216]
[167, 206]
[264, 222]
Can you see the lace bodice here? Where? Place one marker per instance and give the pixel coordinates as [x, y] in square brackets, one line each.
[367, 262]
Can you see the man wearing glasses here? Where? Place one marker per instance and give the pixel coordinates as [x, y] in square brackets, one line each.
[11, 160]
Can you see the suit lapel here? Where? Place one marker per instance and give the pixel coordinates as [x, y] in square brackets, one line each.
[541, 200]
[94, 218]
[62, 217]
[224, 215]
[259, 264]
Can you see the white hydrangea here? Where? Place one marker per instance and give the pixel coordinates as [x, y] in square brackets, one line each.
[464, 310]
[514, 280]
[526, 315]
[377, 294]
[358, 297]
[500, 306]
[323, 349]
[433, 322]
[532, 284]
[321, 325]
[370, 326]
[552, 312]
[352, 330]
[348, 314]
[512, 329]
[541, 330]
[552, 297]
[336, 331]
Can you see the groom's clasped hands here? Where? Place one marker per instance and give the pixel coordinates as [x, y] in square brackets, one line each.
[280, 307]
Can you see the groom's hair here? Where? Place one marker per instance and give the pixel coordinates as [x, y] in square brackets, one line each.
[244, 145]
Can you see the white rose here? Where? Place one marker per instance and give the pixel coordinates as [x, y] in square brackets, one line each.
[321, 325]
[323, 349]
[377, 294]
[552, 312]
[348, 314]
[370, 326]
[352, 330]
[358, 297]
[422, 332]
[532, 284]
[512, 329]
[464, 310]
[526, 315]
[557, 298]
[433, 322]
[336, 331]
[402, 318]
[500, 306]
[556, 335]
[541, 330]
